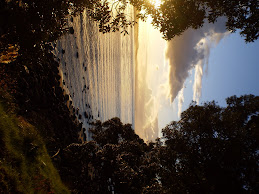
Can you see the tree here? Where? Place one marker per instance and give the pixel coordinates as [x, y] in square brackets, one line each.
[113, 131]
[32, 22]
[116, 159]
[212, 149]
[123, 157]
[173, 17]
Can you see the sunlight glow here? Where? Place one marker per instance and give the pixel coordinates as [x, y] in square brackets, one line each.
[156, 3]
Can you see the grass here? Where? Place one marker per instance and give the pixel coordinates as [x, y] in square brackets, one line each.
[25, 166]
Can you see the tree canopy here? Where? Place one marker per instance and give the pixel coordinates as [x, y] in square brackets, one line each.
[32, 22]
[211, 149]
[173, 17]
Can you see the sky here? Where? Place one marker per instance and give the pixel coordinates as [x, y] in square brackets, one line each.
[233, 69]
[202, 65]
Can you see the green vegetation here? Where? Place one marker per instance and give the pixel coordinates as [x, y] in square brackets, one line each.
[25, 165]
[36, 123]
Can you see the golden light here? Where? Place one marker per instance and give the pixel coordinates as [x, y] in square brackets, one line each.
[156, 3]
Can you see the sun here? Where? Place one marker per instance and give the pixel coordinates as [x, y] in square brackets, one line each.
[156, 3]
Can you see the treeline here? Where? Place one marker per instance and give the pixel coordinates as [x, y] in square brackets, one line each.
[31, 23]
[209, 150]
[35, 23]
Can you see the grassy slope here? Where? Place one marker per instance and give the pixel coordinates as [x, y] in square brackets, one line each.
[25, 165]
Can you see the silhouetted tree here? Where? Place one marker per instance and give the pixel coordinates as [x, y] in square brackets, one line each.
[113, 132]
[213, 149]
[121, 156]
[175, 16]
[210, 150]
[117, 159]
[33, 22]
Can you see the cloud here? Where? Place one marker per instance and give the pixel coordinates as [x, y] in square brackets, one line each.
[191, 50]
[151, 130]
[146, 118]
[197, 85]
[146, 103]
[180, 101]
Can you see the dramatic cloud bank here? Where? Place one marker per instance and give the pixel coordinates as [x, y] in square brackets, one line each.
[146, 104]
[146, 123]
[155, 91]
[188, 51]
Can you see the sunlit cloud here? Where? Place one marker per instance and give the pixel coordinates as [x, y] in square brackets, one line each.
[197, 85]
[153, 108]
[180, 101]
[191, 50]
[160, 80]
[146, 102]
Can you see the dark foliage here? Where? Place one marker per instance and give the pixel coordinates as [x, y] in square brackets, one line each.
[173, 17]
[114, 160]
[210, 150]
[34, 23]
[213, 149]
